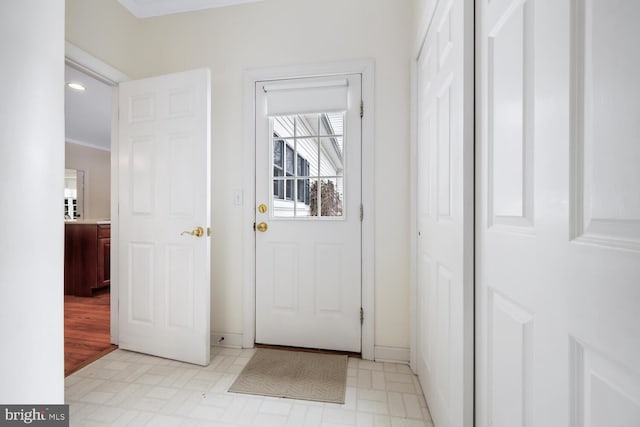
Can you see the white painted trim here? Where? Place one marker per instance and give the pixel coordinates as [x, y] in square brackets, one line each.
[392, 354]
[368, 201]
[248, 217]
[413, 228]
[115, 218]
[230, 340]
[89, 64]
[150, 9]
[86, 144]
[367, 69]
[469, 215]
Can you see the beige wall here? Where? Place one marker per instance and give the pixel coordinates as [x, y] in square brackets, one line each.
[104, 29]
[96, 165]
[273, 33]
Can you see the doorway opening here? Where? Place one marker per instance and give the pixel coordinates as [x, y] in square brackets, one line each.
[87, 214]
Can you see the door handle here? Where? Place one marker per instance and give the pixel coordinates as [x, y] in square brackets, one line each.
[198, 232]
[262, 227]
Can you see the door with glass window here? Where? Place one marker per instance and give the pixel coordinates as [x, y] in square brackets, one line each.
[308, 223]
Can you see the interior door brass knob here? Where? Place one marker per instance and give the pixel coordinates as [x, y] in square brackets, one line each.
[198, 232]
[262, 227]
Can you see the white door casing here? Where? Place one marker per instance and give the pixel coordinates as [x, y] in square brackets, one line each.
[444, 214]
[308, 269]
[79, 58]
[164, 190]
[558, 219]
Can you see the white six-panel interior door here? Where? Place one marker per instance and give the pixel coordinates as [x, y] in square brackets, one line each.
[558, 219]
[164, 215]
[557, 214]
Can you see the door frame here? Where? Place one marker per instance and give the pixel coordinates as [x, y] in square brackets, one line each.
[367, 69]
[93, 66]
[425, 23]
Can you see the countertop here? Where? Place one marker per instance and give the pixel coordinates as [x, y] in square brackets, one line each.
[88, 221]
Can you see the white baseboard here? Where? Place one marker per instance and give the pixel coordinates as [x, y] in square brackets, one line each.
[381, 353]
[391, 354]
[230, 340]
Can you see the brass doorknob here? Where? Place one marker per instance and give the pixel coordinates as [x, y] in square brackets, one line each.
[262, 227]
[198, 232]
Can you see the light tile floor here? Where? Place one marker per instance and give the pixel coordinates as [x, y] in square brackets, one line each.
[132, 389]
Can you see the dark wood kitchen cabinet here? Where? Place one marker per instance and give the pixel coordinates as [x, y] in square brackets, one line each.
[87, 262]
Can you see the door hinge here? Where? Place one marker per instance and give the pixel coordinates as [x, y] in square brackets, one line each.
[361, 109]
[361, 213]
[361, 315]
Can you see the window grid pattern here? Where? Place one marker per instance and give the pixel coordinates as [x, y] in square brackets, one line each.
[308, 165]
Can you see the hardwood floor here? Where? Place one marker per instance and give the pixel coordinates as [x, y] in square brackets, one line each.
[86, 330]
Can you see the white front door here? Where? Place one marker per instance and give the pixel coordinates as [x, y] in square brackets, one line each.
[308, 212]
[444, 264]
[164, 205]
[558, 279]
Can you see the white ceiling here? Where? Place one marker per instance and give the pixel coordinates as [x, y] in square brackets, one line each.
[149, 8]
[87, 114]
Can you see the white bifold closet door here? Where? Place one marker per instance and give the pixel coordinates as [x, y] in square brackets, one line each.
[558, 219]
[444, 241]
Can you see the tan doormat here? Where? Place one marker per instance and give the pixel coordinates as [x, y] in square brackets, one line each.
[295, 375]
